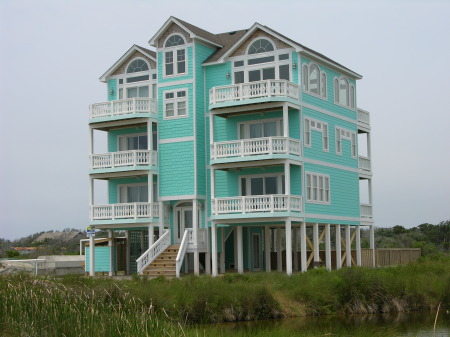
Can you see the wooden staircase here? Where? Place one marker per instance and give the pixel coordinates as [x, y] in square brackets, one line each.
[164, 264]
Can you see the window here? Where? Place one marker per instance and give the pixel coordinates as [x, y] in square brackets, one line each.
[137, 66]
[260, 46]
[175, 58]
[317, 188]
[262, 184]
[344, 92]
[263, 128]
[132, 142]
[314, 80]
[341, 134]
[138, 84]
[315, 125]
[175, 104]
[133, 193]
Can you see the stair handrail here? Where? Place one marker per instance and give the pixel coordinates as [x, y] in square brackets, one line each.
[181, 252]
[153, 252]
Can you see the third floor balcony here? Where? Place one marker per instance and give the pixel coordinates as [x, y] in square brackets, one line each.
[123, 161]
[123, 109]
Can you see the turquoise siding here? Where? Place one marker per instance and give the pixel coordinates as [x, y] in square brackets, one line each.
[101, 256]
[295, 72]
[189, 68]
[112, 85]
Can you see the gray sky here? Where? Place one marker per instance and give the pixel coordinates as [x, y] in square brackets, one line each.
[53, 52]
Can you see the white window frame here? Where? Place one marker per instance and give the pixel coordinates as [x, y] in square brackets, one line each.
[350, 94]
[306, 85]
[314, 193]
[174, 51]
[119, 196]
[278, 120]
[122, 88]
[343, 133]
[248, 177]
[176, 100]
[312, 124]
[129, 135]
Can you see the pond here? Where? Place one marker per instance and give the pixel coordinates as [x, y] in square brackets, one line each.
[399, 324]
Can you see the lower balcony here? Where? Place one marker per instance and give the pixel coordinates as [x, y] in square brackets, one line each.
[122, 109]
[364, 165]
[255, 149]
[122, 160]
[366, 211]
[254, 206]
[126, 212]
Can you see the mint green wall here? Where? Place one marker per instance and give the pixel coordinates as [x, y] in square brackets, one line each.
[294, 78]
[101, 255]
[189, 68]
[344, 192]
[112, 186]
[328, 103]
[112, 84]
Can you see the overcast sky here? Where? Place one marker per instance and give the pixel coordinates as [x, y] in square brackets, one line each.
[53, 52]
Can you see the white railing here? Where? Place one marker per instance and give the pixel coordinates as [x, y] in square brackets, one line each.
[366, 210]
[132, 210]
[364, 164]
[153, 252]
[267, 88]
[181, 252]
[201, 237]
[363, 117]
[123, 158]
[257, 203]
[256, 146]
[123, 107]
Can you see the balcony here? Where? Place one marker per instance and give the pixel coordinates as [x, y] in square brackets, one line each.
[128, 211]
[123, 109]
[366, 211]
[256, 206]
[122, 160]
[364, 165]
[363, 119]
[255, 149]
[253, 92]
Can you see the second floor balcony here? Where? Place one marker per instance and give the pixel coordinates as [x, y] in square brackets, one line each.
[253, 92]
[122, 109]
[125, 211]
[122, 160]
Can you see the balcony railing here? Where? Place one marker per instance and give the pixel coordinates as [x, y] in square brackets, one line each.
[123, 107]
[256, 146]
[257, 203]
[242, 91]
[123, 159]
[201, 237]
[363, 117]
[366, 211]
[364, 164]
[134, 210]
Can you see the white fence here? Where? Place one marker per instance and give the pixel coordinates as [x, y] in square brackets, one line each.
[257, 203]
[123, 158]
[123, 107]
[131, 210]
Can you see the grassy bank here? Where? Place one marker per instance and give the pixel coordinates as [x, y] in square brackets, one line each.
[76, 306]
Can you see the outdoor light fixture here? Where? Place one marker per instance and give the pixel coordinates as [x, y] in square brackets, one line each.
[228, 75]
[294, 65]
[111, 92]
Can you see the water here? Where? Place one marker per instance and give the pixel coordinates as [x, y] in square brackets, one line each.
[418, 324]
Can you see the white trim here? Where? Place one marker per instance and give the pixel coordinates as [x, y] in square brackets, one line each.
[336, 166]
[173, 83]
[261, 38]
[318, 176]
[118, 198]
[194, 116]
[278, 175]
[336, 94]
[332, 217]
[176, 140]
[174, 51]
[306, 87]
[319, 127]
[247, 124]
[130, 135]
[338, 135]
[329, 113]
[181, 197]
[175, 101]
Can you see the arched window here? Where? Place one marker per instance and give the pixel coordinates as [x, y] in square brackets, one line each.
[343, 91]
[314, 79]
[174, 40]
[136, 66]
[323, 85]
[260, 46]
[305, 78]
[352, 96]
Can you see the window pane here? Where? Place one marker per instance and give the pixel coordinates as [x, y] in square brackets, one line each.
[238, 77]
[254, 75]
[269, 74]
[122, 194]
[314, 79]
[270, 129]
[132, 92]
[143, 143]
[120, 93]
[256, 130]
[181, 64]
[261, 60]
[138, 79]
[243, 186]
[122, 144]
[343, 91]
[284, 72]
[182, 108]
[133, 194]
[143, 91]
[257, 187]
[242, 134]
[155, 141]
[323, 85]
[283, 57]
[133, 143]
[181, 94]
[305, 78]
[188, 219]
[238, 63]
[169, 63]
[170, 110]
[143, 193]
[271, 185]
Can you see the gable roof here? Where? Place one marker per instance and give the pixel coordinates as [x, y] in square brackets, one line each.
[147, 52]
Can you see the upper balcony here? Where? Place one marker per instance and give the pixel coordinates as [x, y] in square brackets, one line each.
[253, 92]
[364, 165]
[134, 212]
[255, 149]
[123, 109]
[123, 161]
[363, 120]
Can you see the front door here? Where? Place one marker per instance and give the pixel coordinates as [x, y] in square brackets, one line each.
[183, 221]
[256, 250]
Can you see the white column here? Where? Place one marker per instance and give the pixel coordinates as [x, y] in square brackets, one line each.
[222, 251]
[111, 252]
[358, 245]
[372, 244]
[161, 218]
[327, 246]
[348, 246]
[91, 140]
[214, 249]
[338, 247]
[150, 190]
[151, 234]
[240, 250]
[295, 232]
[195, 231]
[267, 241]
[279, 251]
[303, 260]
[128, 254]
[91, 197]
[316, 243]
[287, 178]
[285, 120]
[150, 138]
[208, 263]
[213, 190]
[288, 230]
[211, 128]
[91, 256]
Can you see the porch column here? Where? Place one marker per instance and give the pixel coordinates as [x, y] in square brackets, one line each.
[150, 139]
[91, 198]
[285, 120]
[372, 244]
[151, 234]
[195, 233]
[327, 247]
[150, 192]
[338, 247]
[279, 251]
[288, 247]
[211, 128]
[111, 252]
[91, 140]
[267, 241]
[303, 260]
[128, 253]
[240, 250]
[358, 245]
[222, 251]
[348, 246]
[295, 232]
[213, 191]
[287, 179]
[214, 248]
[91, 256]
[161, 218]
[208, 263]
[316, 244]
